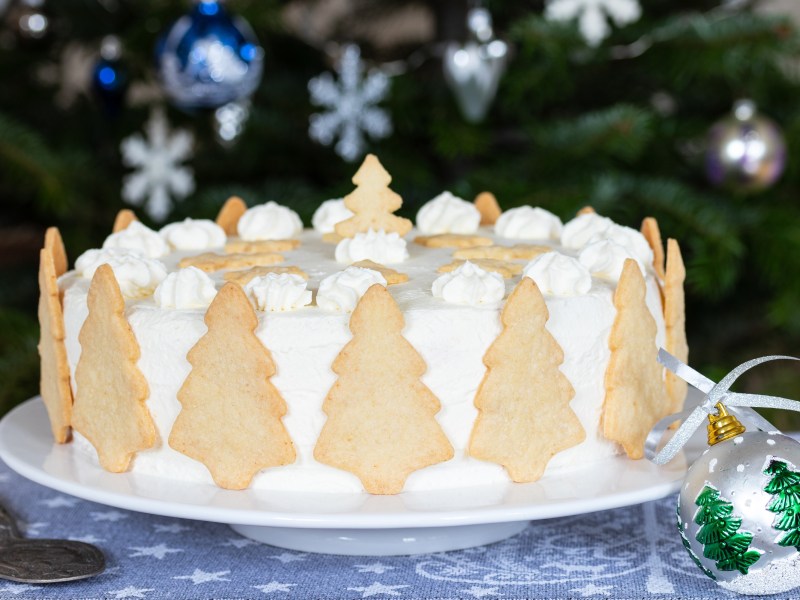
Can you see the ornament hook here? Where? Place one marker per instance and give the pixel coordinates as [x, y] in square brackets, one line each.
[723, 426]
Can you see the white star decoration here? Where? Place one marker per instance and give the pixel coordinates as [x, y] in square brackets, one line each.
[59, 502]
[593, 590]
[286, 557]
[171, 528]
[591, 15]
[274, 586]
[239, 543]
[350, 105]
[199, 576]
[158, 552]
[18, 588]
[131, 592]
[112, 515]
[158, 176]
[376, 588]
[479, 592]
[375, 567]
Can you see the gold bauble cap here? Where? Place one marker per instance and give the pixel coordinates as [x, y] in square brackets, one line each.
[723, 426]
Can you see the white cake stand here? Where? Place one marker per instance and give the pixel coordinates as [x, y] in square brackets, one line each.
[352, 524]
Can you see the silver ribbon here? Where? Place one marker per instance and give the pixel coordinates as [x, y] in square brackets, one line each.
[692, 418]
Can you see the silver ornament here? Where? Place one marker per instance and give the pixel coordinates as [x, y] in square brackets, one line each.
[731, 524]
[745, 151]
[473, 69]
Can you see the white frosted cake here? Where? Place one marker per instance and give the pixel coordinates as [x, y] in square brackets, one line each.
[451, 319]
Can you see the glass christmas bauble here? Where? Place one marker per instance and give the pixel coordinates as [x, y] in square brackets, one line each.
[739, 513]
[208, 58]
[745, 151]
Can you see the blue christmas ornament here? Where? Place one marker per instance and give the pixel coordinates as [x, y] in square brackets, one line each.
[208, 58]
[110, 75]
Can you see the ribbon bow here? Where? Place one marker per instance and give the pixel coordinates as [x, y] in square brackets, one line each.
[714, 392]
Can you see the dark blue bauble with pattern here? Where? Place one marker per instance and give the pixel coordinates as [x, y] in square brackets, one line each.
[208, 58]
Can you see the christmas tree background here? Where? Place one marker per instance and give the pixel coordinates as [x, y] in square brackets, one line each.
[621, 126]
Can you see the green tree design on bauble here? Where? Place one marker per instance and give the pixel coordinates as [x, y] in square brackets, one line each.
[785, 490]
[719, 533]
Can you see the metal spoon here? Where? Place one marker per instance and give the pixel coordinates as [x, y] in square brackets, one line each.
[44, 561]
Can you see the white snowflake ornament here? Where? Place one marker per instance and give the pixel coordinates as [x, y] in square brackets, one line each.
[593, 15]
[158, 175]
[351, 106]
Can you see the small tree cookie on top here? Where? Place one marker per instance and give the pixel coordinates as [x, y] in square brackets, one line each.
[372, 202]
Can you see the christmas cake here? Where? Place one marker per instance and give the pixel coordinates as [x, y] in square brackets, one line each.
[472, 347]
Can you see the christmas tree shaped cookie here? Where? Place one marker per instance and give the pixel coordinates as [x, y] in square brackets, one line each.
[675, 323]
[785, 490]
[372, 202]
[231, 413]
[54, 383]
[524, 415]
[635, 395]
[719, 533]
[109, 405]
[381, 418]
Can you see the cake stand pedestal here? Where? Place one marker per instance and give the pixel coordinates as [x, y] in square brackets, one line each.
[382, 542]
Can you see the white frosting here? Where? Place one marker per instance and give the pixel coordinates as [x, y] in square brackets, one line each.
[378, 246]
[606, 259]
[185, 288]
[342, 291]
[558, 274]
[329, 214]
[279, 291]
[589, 228]
[452, 340]
[269, 221]
[469, 284]
[448, 214]
[193, 234]
[583, 229]
[136, 275]
[139, 238]
[528, 223]
[630, 239]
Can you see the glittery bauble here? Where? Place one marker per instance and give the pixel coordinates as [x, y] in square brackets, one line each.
[739, 513]
[208, 58]
[746, 151]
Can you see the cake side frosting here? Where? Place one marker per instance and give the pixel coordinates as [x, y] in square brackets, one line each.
[452, 340]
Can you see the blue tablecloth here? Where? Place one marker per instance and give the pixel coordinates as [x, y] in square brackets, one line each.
[628, 553]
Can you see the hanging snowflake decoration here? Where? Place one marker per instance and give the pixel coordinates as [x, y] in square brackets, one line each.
[593, 15]
[351, 106]
[158, 176]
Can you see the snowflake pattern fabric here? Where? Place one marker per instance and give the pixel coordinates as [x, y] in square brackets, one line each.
[350, 106]
[593, 15]
[625, 554]
[158, 177]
